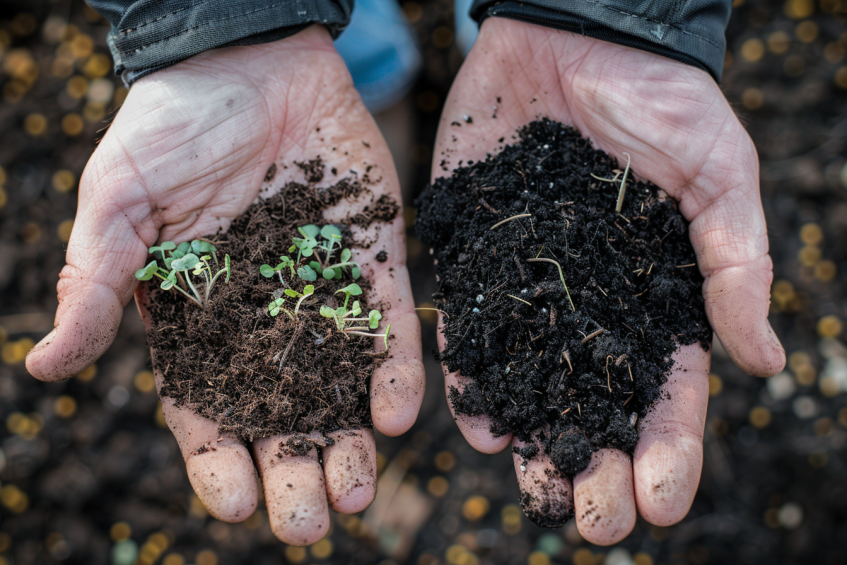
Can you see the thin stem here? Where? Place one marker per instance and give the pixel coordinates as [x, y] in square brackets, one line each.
[302, 298]
[194, 290]
[188, 295]
[622, 191]
[500, 223]
[561, 275]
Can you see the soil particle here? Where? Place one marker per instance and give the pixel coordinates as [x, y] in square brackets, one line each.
[313, 169]
[580, 361]
[269, 176]
[258, 375]
[382, 256]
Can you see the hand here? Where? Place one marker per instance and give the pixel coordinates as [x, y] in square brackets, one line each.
[186, 154]
[682, 135]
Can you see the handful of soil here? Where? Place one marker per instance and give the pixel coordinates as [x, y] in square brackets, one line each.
[259, 375]
[561, 314]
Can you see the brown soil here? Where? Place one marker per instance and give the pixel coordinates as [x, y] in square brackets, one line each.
[258, 375]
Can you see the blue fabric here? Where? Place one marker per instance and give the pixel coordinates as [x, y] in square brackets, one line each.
[381, 53]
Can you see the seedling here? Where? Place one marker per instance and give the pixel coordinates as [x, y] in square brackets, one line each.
[181, 263]
[285, 261]
[275, 307]
[308, 291]
[321, 244]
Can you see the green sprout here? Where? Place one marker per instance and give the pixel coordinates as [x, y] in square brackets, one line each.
[285, 261]
[349, 290]
[308, 291]
[181, 263]
[275, 306]
[321, 244]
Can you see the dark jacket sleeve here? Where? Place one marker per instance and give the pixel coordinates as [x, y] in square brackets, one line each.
[691, 31]
[148, 35]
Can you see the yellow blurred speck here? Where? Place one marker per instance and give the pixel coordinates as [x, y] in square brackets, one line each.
[842, 417]
[14, 499]
[159, 418]
[437, 486]
[206, 557]
[64, 406]
[475, 508]
[5, 542]
[321, 549]
[829, 326]
[120, 531]
[72, 124]
[144, 381]
[160, 540]
[538, 558]
[76, 87]
[120, 95]
[799, 9]
[806, 31]
[173, 559]
[834, 52]
[87, 374]
[715, 385]
[445, 461]
[64, 230]
[3, 197]
[811, 234]
[35, 124]
[62, 67]
[642, 559]
[2, 176]
[30, 232]
[94, 111]
[63, 180]
[841, 77]
[825, 271]
[295, 554]
[809, 256]
[760, 417]
[97, 66]
[82, 46]
[805, 375]
[15, 352]
[196, 508]
[752, 50]
[583, 556]
[778, 42]
[798, 359]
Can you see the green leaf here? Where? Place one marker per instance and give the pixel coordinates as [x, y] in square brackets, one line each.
[292, 293]
[340, 311]
[177, 254]
[385, 340]
[356, 309]
[345, 255]
[206, 247]
[315, 265]
[195, 246]
[168, 284]
[327, 312]
[185, 263]
[292, 249]
[309, 231]
[338, 274]
[168, 246]
[267, 271]
[184, 247]
[147, 272]
[329, 274]
[352, 289]
[228, 270]
[308, 289]
[356, 272]
[330, 231]
[307, 273]
[373, 319]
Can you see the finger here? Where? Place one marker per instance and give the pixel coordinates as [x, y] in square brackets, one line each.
[295, 492]
[103, 254]
[605, 501]
[546, 494]
[350, 470]
[669, 454]
[476, 429]
[219, 467]
[398, 384]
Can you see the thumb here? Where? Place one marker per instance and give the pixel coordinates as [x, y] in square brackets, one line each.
[97, 282]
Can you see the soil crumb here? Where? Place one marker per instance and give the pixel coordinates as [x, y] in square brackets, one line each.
[258, 375]
[563, 369]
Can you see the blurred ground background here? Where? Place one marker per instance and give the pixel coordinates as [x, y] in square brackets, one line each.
[89, 474]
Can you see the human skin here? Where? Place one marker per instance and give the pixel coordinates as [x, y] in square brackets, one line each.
[681, 134]
[186, 154]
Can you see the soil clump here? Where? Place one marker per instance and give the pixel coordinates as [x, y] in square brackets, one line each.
[568, 368]
[258, 375]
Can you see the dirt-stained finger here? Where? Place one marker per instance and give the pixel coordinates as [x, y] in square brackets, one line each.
[295, 490]
[546, 494]
[604, 498]
[350, 470]
[476, 429]
[669, 454]
[219, 466]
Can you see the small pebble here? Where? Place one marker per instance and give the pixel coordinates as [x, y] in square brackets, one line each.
[523, 468]
[479, 298]
[475, 310]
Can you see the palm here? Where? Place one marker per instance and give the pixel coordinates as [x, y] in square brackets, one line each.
[681, 134]
[188, 153]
